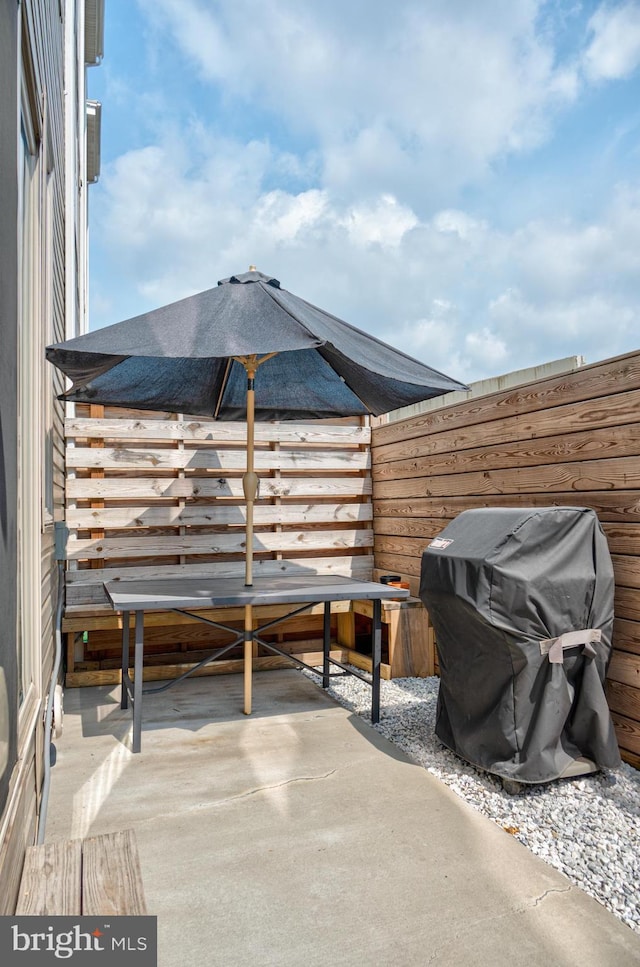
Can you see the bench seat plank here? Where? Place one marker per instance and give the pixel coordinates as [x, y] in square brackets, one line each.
[111, 876]
[51, 880]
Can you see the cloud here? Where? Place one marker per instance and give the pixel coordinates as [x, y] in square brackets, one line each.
[285, 217]
[384, 222]
[166, 211]
[355, 174]
[466, 296]
[416, 102]
[487, 349]
[614, 49]
[441, 341]
[594, 326]
[559, 258]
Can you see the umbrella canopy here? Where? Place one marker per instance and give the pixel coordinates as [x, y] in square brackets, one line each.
[200, 356]
[188, 357]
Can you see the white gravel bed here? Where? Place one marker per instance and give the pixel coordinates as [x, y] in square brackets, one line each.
[587, 827]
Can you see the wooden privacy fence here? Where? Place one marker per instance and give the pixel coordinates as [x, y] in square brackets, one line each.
[160, 493]
[161, 497]
[570, 440]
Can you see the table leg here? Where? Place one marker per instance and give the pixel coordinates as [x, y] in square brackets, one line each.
[376, 658]
[248, 657]
[124, 695]
[326, 643]
[137, 684]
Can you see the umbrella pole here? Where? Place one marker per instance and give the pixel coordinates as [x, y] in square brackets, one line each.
[250, 487]
[250, 479]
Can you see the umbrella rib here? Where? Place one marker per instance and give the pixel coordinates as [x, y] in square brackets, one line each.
[292, 315]
[340, 376]
[225, 380]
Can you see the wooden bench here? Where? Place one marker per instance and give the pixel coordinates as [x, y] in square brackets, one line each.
[97, 876]
[409, 636]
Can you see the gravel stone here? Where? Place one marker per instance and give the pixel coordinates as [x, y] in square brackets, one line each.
[587, 828]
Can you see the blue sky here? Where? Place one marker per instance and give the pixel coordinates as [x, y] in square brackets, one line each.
[460, 179]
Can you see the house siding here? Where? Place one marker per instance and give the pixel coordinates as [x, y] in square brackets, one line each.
[8, 382]
[42, 275]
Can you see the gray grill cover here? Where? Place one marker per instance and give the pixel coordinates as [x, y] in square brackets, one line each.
[496, 583]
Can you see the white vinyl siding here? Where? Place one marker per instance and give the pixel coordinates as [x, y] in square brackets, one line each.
[30, 346]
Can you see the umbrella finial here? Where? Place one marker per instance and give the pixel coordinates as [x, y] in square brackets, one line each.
[252, 268]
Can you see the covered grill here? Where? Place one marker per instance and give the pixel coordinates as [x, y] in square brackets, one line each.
[522, 605]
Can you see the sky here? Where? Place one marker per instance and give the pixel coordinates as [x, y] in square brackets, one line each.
[460, 179]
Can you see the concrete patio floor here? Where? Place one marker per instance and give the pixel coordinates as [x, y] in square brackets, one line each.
[299, 837]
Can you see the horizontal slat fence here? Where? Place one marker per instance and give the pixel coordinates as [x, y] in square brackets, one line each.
[151, 497]
[568, 440]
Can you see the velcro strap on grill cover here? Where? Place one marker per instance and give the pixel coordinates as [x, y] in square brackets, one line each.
[554, 647]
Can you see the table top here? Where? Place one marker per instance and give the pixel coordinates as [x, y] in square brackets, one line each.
[190, 593]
